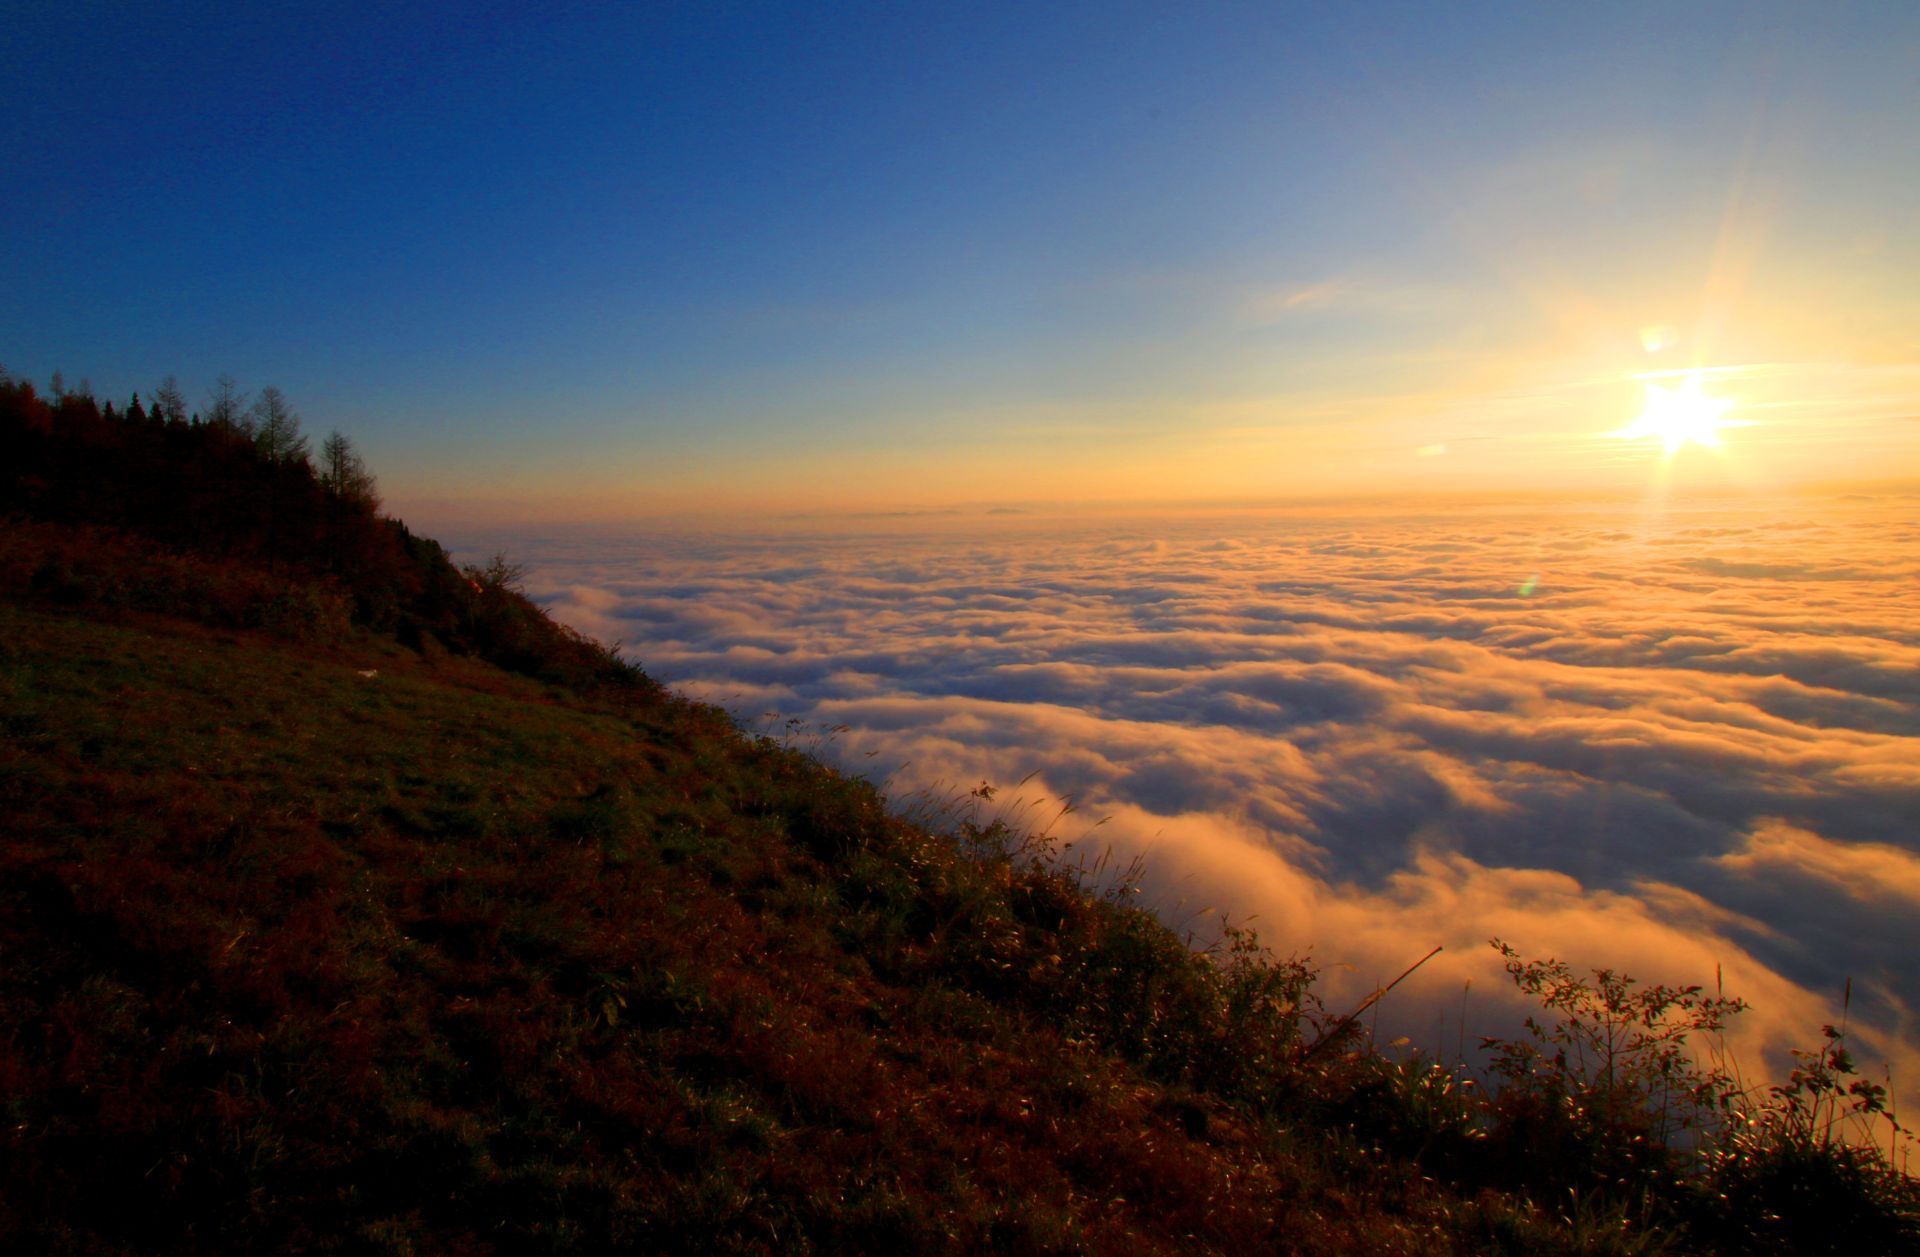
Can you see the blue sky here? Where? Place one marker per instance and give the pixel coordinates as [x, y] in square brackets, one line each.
[602, 259]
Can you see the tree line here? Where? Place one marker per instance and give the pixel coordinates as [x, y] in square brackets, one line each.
[238, 481]
[268, 420]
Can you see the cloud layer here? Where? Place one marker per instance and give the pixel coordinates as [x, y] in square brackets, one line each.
[1666, 742]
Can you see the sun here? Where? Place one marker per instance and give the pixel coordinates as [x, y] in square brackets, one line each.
[1679, 416]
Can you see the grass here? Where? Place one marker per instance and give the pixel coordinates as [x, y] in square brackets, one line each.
[312, 940]
[299, 957]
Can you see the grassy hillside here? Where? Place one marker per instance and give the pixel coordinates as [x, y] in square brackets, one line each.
[301, 956]
[348, 904]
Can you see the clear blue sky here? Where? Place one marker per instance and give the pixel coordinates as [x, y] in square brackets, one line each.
[606, 258]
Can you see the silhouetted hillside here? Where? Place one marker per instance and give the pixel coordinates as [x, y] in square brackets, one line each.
[136, 488]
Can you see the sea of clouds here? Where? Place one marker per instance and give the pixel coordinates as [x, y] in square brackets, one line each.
[1682, 742]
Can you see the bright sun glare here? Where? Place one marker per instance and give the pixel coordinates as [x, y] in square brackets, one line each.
[1676, 416]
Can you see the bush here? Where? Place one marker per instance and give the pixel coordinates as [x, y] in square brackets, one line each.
[1609, 1089]
[1802, 1171]
[1608, 1099]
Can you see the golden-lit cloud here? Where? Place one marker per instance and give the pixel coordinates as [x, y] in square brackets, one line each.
[1674, 743]
[1867, 871]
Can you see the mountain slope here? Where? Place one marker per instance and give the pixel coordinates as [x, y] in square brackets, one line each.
[297, 955]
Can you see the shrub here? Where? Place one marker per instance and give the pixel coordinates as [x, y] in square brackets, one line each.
[1608, 1099]
[1801, 1171]
[1418, 1108]
[1609, 1088]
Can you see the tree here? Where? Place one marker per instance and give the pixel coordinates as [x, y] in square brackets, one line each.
[500, 575]
[227, 406]
[276, 429]
[344, 471]
[168, 405]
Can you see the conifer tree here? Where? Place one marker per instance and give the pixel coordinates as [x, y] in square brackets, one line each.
[344, 471]
[168, 404]
[227, 406]
[276, 428]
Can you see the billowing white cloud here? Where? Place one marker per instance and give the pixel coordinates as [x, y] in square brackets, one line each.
[1671, 744]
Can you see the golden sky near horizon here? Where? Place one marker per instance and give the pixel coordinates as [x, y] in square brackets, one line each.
[617, 261]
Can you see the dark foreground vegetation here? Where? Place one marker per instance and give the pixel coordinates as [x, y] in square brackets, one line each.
[348, 903]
